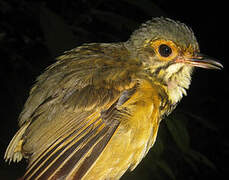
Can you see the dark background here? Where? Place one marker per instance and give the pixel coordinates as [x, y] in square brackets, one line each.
[192, 142]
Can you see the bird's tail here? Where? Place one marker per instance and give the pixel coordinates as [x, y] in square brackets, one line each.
[13, 151]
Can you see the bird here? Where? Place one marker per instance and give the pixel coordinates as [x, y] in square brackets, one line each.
[95, 112]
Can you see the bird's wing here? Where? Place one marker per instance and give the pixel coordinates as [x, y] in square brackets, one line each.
[98, 65]
[77, 115]
[71, 148]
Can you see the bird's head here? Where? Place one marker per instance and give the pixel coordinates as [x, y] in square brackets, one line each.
[168, 51]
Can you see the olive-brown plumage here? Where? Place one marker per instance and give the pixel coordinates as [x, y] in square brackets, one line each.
[95, 112]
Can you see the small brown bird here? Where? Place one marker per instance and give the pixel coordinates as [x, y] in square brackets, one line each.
[95, 113]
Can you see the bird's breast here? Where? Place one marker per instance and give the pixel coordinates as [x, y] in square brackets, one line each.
[133, 138]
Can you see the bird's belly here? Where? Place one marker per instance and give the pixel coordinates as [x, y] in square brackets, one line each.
[128, 146]
[124, 151]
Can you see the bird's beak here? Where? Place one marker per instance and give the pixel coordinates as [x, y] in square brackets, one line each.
[203, 61]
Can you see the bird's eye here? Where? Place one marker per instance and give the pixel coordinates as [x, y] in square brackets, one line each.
[164, 50]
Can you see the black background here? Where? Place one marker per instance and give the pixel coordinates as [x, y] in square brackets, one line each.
[33, 33]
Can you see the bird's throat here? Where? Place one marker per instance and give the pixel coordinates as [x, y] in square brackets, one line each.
[175, 92]
[178, 83]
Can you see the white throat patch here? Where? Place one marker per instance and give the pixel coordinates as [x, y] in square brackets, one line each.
[178, 79]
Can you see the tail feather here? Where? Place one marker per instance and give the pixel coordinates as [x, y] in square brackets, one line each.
[14, 149]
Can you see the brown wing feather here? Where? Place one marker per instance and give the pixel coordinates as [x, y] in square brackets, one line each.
[57, 149]
[63, 158]
[73, 155]
[96, 151]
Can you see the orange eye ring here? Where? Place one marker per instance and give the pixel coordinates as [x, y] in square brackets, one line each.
[166, 50]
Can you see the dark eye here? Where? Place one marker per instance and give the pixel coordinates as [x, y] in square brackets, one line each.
[164, 50]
